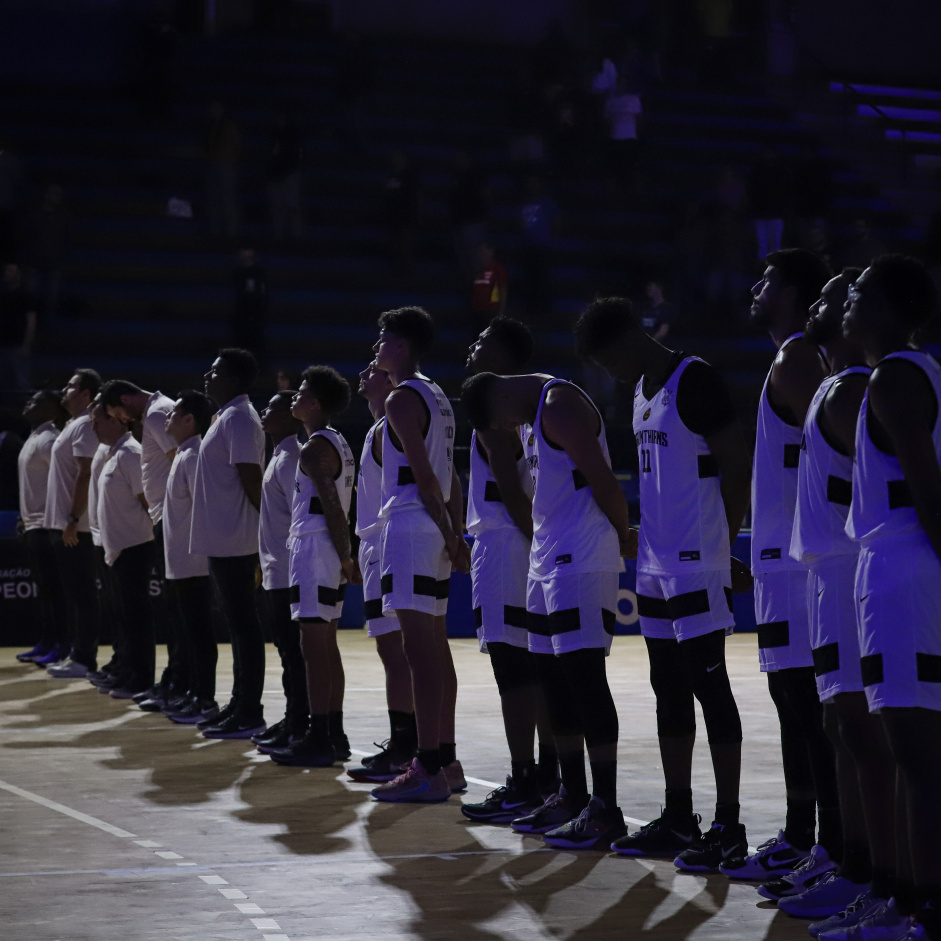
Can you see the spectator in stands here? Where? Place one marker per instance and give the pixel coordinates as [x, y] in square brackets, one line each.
[862, 247]
[539, 221]
[251, 304]
[402, 214]
[222, 150]
[288, 379]
[656, 315]
[770, 197]
[11, 192]
[48, 233]
[468, 211]
[17, 332]
[283, 170]
[488, 297]
[621, 110]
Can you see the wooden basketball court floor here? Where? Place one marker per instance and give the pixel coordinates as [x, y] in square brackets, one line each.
[120, 825]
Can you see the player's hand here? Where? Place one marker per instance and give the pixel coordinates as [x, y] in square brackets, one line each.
[351, 572]
[627, 547]
[742, 579]
[70, 535]
[459, 554]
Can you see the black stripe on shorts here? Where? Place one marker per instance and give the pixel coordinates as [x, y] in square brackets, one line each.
[328, 596]
[294, 594]
[871, 668]
[385, 584]
[773, 634]
[826, 658]
[929, 667]
[373, 609]
[609, 621]
[538, 624]
[565, 621]
[443, 589]
[688, 604]
[514, 616]
[425, 585]
[648, 607]
[728, 598]
[478, 617]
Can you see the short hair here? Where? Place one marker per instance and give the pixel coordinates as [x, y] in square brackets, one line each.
[329, 388]
[413, 324]
[515, 338]
[51, 397]
[200, 406]
[112, 391]
[605, 320]
[907, 286]
[477, 399]
[285, 396]
[88, 380]
[850, 273]
[802, 270]
[243, 366]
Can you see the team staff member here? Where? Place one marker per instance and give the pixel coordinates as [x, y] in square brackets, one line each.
[694, 479]
[226, 500]
[66, 516]
[46, 417]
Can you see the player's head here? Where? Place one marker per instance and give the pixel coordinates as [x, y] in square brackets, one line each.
[608, 334]
[791, 282]
[492, 401]
[191, 415]
[120, 398]
[277, 419]
[892, 299]
[825, 320]
[324, 393]
[505, 346]
[374, 385]
[233, 372]
[405, 335]
[80, 391]
[45, 405]
[108, 427]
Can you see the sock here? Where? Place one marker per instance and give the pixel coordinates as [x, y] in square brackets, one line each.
[604, 775]
[319, 727]
[403, 731]
[883, 883]
[830, 832]
[678, 802]
[524, 777]
[727, 814]
[430, 759]
[336, 722]
[548, 762]
[573, 778]
[905, 896]
[448, 752]
[799, 828]
[856, 865]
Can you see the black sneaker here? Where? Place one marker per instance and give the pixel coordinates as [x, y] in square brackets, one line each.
[271, 733]
[194, 711]
[718, 845]
[503, 805]
[551, 815]
[595, 828]
[235, 727]
[387, 765]
[224, 713]
[667, 836]
[341, 746]
[309, 752]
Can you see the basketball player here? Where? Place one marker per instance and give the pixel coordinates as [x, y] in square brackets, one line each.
[397, 753]
[321, 562]
[499, 515]
[226, 500]
[274, 525]
[419, 545]
[792, 281]
[580, 530]
[694, 479]
[188, 421]
[896, 516]
[67, 517]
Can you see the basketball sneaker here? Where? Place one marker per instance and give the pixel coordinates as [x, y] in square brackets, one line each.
[884, 924]
[595, 828]
[667, 836]
[551, 814]
[503, 804]
[384, 766]
[415, 786]
[309, 752]
[838, 926]
[341, 745]
[720, 843]
[809, 872]
[828, 896]
[775, 857]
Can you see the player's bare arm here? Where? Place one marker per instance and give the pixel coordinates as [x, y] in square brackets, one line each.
[795, 377]
[840, 411]
[461, 560]
[730, 450]
[250, 476]
[502, 447]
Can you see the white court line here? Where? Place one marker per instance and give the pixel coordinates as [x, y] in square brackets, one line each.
[67, 811]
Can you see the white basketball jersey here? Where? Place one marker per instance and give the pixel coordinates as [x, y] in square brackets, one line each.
[824, 487]
[399, 490]
[369, 488]
[485, 509]
[570, 533]
[683, 526]
[774, 486]
[307, 510]
[882, 503]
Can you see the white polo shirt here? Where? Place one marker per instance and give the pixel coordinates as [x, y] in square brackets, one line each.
[178, 514]
[97, 464]
[224, 522]
[155, 443]
[32, 466]
[277, 496]
[77, 439]
[121, 518]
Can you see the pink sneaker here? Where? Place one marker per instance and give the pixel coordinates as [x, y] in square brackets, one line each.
[415, 786]
[455, 775]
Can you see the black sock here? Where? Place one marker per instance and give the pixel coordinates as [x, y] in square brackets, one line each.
[830, 832]
[524, 777]
[336, 722]
[678, 802]
[430, 759]
[403, 734]
[604, 781]
[883, 883]
[856, 864]
[573, 778]
[727, 814]
[448, 752]
[800, 825]
[319, 727]
[548, 761]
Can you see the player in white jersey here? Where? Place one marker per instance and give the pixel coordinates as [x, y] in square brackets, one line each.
[580, 531]
[46, 417]
[824, 486]
[896, 516]
[500, 517]
[421, 540]
[792, 281]
[321, 563]
[66, 517]
[694, 479]
[274, 525]
[397, 753]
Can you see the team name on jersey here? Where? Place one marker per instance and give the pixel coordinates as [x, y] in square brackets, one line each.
[649, 436]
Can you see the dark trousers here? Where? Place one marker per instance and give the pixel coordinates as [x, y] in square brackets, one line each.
[131, 571]
[287, 639]
[235, 580]
[76, 571]
[53, 624]
[110, 619]
[167, 612]
[197, 642]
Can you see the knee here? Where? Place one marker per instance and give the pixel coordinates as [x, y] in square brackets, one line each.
[512, 668]
[719, 709]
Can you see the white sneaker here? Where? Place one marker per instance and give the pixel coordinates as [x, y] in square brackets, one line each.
[828, 896]
[838, 926]
[774, 858]
[67, 669]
